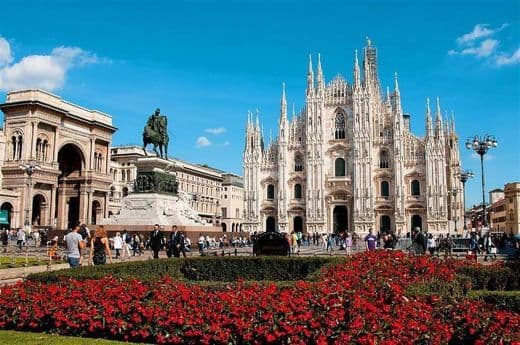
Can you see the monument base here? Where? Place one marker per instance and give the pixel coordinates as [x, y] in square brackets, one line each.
[155, 208]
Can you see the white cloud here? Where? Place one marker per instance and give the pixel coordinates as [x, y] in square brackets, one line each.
[215, 131]
[504, 59]
[479, 43]
[47, 72]
[203, 142]
[6, 56]
[479, 31]
[226, 143]
[486, 48]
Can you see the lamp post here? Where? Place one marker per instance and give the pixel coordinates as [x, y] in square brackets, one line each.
[464, 176]
[29, 168]
[481, 145]
[454, 193]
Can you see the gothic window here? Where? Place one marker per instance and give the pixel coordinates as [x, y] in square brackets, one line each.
[45, 149]
[340, 126]
[297, 191]
[270, 192]
[416, 188]
[384, 160]
[339, 167]
[385, 189]
[125, 192]
[112, 191]
[298, 163]
[38, 148]
[17, 144]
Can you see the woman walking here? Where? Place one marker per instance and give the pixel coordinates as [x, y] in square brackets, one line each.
[118, 244]
[99, 249]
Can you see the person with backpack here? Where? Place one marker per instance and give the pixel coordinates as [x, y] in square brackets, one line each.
[127, 241]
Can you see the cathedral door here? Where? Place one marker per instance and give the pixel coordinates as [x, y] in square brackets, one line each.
[416, 221]
[298, 224]
[340, 218]
[270, 225]
[384, 225]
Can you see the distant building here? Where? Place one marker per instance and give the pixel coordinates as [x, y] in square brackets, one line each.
[232, 203]
[69, 145]
[349, 161]
[503, 212]
[200, 185]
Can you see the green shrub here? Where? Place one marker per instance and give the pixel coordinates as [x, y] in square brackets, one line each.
[492, 277]
[143, 270]
[509, 300]
[223, 269]
[252, 268]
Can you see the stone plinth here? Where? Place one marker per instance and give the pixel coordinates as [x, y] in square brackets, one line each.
[155, 208]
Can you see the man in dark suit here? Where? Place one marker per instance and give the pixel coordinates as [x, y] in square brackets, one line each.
[156, 241]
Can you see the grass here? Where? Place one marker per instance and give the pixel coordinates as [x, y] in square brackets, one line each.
[19, 261]
[26, 338]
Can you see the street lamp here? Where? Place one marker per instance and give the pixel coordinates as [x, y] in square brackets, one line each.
[29, 168]
[454, 192]
[481, 145]
[464, 176]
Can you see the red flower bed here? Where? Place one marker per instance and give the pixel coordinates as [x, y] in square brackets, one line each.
[361, 302]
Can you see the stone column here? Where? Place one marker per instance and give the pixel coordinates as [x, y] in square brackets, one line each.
[52, 207]
[62, 205]
[83, 206]
[55, 145]
[91, 158]
[89, 206]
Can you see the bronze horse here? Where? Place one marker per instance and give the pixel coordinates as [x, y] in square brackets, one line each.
[156, 133]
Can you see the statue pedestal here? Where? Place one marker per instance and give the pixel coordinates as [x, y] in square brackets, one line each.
[155, 208]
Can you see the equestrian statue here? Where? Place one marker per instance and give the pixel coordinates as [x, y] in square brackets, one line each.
[156, 133]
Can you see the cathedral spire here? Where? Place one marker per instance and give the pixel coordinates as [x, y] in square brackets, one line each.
[310, 78]
[356, 70]
[438, 118]
[396, 84]
[283, 104]
[319, 75]
[388, 94]
[452, 122]
[429, 128]
[397, 95]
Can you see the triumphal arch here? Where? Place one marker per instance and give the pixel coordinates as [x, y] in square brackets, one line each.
[56, 157]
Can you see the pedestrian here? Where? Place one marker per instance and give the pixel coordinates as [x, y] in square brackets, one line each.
[448, 245]
[431, 244]
[174, 244]
[20, 238]
[5, 240]
[156, 241]
[99, 248]
[294, 243]
[348, 244]
[473, 245]
[118, 244]
[136, 242]
[74, 243]
[201, 243]
[370, 240]
[127, 242]
[489, 247]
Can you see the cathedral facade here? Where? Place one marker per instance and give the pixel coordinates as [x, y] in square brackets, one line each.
[348, 161]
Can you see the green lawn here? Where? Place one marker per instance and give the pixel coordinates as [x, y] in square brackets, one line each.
[26, 338]
[19, 261]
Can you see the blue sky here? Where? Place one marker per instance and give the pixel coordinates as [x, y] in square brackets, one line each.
[206, 63]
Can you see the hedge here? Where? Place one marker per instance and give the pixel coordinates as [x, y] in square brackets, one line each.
[253, 268]
[201, 269]
[492, 277]
[509, 300]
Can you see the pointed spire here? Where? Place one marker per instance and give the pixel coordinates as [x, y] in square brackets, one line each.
[369, 43]
[356, 70]
[438, 116]
[283, 104]
[429, 129]
[388, 94]
[257, 120]
[310, 78]
[452, 122]
[293, 111]
[396, 83]
[319, 75]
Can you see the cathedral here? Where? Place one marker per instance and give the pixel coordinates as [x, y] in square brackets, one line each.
[349, 161]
